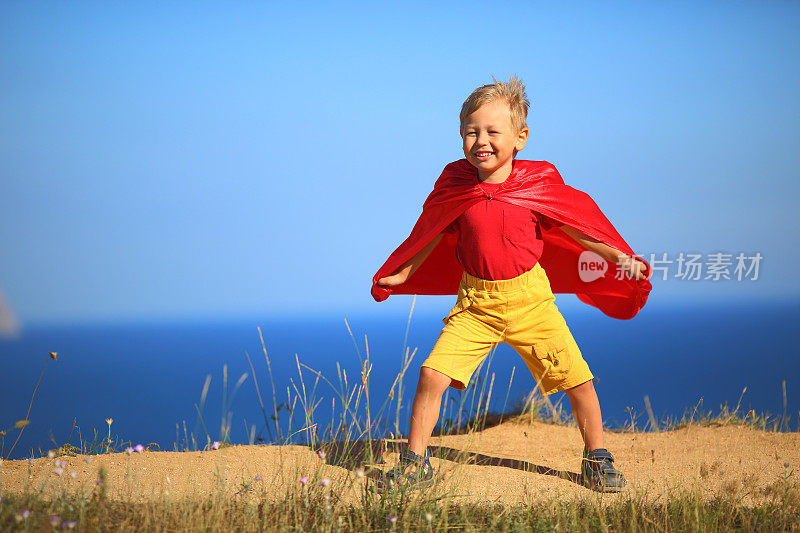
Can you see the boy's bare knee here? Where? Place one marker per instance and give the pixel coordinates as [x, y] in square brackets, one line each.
[584, 388]
[433, 379]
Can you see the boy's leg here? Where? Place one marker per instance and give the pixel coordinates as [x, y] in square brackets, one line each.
[541, 336]
[425, 409]
[586, 412]
[467, 337]
[472, 328]
[597, 467]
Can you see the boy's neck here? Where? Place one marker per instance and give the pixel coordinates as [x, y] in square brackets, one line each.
[498, 175]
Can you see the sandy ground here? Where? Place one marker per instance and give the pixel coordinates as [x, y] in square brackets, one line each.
[509, 464]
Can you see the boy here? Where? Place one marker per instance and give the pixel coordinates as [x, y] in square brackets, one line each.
[499, 222]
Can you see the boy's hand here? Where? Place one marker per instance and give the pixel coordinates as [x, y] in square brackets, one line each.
[395, 279]
[631, 266]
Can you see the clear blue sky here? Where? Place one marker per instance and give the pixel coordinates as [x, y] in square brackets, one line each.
[182, 159]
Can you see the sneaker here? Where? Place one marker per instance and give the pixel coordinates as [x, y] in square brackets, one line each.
[420, 478]
[598, 472]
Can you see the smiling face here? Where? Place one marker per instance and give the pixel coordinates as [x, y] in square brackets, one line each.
[490, 141]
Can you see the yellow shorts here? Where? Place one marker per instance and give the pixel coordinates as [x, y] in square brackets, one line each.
[520, 312]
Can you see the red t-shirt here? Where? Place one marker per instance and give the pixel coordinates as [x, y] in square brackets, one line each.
[498, 240]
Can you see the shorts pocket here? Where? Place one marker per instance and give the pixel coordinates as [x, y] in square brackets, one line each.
[465, 299]
[556, 355]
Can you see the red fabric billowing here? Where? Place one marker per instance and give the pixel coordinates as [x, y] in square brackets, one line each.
[535, 185]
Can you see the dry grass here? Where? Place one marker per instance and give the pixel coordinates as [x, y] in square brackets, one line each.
[355, 437]
[316, 509]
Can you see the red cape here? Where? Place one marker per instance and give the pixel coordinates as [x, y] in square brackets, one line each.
[536, 185]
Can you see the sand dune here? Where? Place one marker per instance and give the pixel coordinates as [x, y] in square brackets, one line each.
[510, 463]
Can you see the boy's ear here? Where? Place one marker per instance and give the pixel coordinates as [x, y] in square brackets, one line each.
[522, 139]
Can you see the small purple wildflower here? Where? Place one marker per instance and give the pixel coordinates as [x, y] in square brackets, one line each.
[321, 454]
[62, 464]
[324, 482]
[392, 519]
[73, 474]
[54, 520]
[58, 471]
[138, 448]
[304, 480]
[98, 481]
[69, 524]
[129, 450]
[51, 454]
[25, 513]
[215, 445]
[258, 478]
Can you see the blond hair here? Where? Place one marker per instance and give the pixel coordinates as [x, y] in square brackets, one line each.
[511, 90]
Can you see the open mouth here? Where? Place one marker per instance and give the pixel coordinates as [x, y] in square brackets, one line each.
[483, 155]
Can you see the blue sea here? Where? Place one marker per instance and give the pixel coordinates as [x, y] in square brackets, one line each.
[149, 377]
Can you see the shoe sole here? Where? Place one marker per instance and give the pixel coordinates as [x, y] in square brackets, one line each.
[382, 484]
[383, 487]
[602, 488]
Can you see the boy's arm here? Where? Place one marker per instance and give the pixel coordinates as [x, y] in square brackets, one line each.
[635, 267]
[406, 269]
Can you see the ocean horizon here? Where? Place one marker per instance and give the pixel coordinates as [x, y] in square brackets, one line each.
[149, 376]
